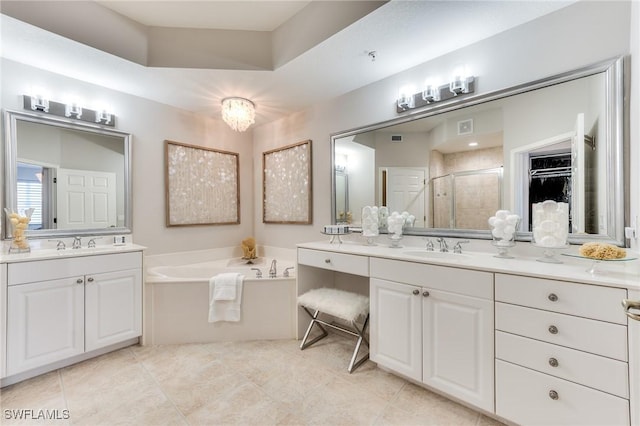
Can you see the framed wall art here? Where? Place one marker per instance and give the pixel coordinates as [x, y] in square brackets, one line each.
[287, 192]
[202, 185]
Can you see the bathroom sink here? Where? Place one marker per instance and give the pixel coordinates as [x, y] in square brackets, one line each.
[436, 254]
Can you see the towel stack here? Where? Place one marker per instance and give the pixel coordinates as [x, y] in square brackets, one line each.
[225, 297]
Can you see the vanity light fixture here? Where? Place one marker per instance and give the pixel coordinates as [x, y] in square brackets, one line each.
[103, 116]
[431, 94]
[406, 98]
[73, 109]
[39, 103]
[238, 113]
[460, 85]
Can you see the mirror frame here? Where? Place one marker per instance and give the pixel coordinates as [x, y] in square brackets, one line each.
[613, 70]
[11, 119]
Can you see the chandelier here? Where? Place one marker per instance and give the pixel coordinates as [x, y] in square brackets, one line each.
[238, 113]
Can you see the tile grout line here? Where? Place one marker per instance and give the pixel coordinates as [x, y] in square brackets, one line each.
[155, 381]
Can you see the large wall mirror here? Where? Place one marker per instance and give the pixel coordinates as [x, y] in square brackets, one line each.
[76, 176]
[452, 166]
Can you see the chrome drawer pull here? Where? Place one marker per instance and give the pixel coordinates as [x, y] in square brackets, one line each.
[79, 281]
[631, 304]
[553, 362]
[553, 395]
[327, 261]
[553, 329]
[425, 294]
[553, 297]
[416, 292]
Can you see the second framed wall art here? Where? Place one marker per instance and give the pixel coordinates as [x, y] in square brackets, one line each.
[287, 191]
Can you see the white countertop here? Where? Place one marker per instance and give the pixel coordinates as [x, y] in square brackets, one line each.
[49, 253]
[625, 274]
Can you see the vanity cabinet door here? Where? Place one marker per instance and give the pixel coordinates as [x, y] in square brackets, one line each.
[45, 323]
[113, 308]
[458, 346]
[396, 327]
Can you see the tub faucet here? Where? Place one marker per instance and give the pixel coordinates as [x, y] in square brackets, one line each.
[443, 245]
[272, 270]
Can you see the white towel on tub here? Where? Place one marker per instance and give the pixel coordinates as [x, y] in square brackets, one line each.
[221, 306]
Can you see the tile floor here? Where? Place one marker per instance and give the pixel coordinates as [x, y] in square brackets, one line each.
[248, 383]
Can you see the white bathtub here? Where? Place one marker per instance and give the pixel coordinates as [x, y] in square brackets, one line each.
[177, 303]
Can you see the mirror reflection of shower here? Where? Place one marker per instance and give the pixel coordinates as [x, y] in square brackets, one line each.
[466, 200]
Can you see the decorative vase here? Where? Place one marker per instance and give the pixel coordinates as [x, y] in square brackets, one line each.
[550, 228]
[503, 227]
[19, 225]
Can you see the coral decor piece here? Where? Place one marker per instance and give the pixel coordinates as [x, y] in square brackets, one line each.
[249, 248]
[19, 225]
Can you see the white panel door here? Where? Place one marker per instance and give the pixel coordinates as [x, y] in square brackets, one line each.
[396, 328]
[113, 308]
[405, 191]
[458, 346]
[86, 199]
[45, 323]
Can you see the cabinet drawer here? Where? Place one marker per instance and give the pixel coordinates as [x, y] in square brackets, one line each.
[524, 397]
[44, 270]
[455, 280]
[348, 263]
[595, 371]
[589, 301]
[598, 337]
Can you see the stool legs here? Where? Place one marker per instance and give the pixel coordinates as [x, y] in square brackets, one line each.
[355, 364]
[314, 321]
[359, 333]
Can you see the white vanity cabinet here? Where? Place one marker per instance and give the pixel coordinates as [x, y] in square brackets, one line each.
[561, 352]
[434, 324]
[60, 308]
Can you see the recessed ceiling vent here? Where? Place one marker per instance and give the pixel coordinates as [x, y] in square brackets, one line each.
[396, 138]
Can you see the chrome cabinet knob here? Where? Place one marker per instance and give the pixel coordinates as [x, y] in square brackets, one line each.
[79, 281]
[553, 362]
[425, 293]
[90, 279]
[553, 395]
[553, 297]
[327, 261]
[416, 292]
[553, 329]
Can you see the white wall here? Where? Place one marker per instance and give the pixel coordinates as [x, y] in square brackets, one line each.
[556, 43]
[151, 124]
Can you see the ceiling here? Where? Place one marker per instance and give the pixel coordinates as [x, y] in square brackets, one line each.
[314, 50]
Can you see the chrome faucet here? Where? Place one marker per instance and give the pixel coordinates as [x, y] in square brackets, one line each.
[77, 243]
[286, 272]
[458, 248]
[443, 245]
[258, 272]
[272, 270]
[429, 245]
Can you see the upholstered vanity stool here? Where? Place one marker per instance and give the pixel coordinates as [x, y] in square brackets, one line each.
[340, 304]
